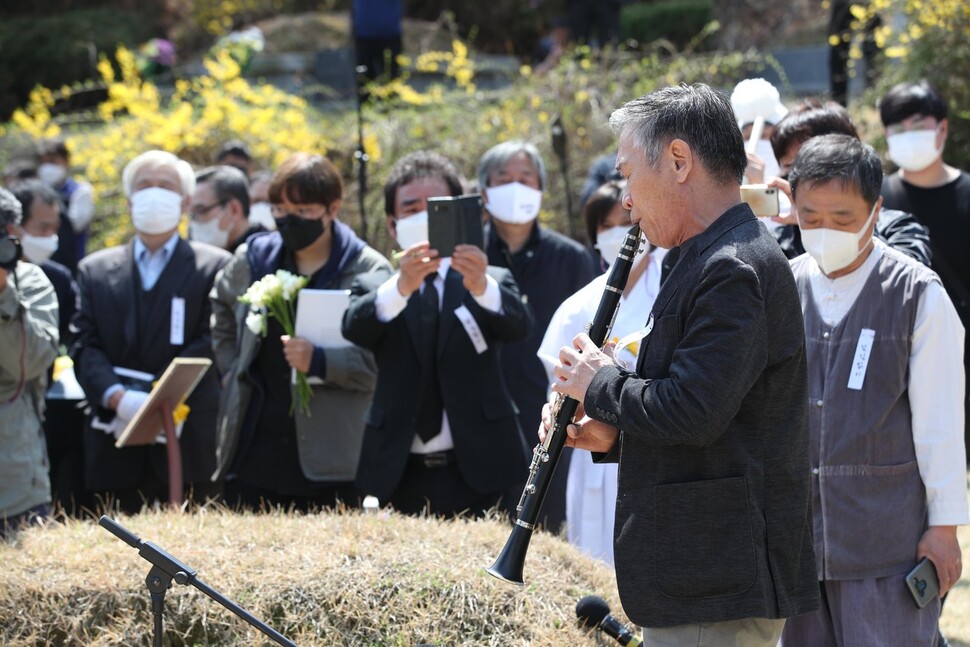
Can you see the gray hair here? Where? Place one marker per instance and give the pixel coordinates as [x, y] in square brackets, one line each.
[498, 156]
[697, 114]
[228, 183]
[10, 210]
[156, 158]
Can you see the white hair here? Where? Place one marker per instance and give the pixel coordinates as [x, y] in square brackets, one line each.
[154, 159]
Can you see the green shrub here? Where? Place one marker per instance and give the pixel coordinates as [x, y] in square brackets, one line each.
[60, 49]
[678, 21]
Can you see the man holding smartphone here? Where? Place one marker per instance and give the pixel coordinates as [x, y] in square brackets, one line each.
[442, 435]
[886, 384]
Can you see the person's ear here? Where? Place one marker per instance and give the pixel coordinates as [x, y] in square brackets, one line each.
[334, 209]
[391, 227]
[680, 160]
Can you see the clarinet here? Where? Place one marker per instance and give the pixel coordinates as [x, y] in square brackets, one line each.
[508, 566]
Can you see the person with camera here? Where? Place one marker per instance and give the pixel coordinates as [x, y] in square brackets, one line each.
[886, 385]
[713, 515]
[142, 305]
[28, 346]
[442, 435]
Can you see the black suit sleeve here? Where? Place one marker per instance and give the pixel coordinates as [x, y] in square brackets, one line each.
[902, 231]
[360, 324]
[94, 371]
[514, 321]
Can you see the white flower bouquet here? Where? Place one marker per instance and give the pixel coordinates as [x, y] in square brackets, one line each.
[274, 295]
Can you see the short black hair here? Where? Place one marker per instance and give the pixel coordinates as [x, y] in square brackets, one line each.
[28, 191]
[228, 183]
[235, 147]
[699, 115]
[600, 204]
[809, 119]
[417, 165]
[53, 146]
[842, 158]
[911, 98]
[306, 179]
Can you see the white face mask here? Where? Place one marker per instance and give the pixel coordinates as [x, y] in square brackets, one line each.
[209, 232]
[155, 210]
[514, 203]
[412, 229]
[833, 249]
[610, 241]
[37, 249]
[51, 174]
[914, 150]
[261, 214]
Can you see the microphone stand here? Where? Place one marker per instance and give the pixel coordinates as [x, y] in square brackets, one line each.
[559, 148]
[360, 155]
[164, 569]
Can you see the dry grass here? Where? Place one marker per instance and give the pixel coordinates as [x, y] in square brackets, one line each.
[328, 579]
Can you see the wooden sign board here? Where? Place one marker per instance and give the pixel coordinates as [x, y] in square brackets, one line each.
[176, 384]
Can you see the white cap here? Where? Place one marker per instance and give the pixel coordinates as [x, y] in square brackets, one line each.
[756, 97]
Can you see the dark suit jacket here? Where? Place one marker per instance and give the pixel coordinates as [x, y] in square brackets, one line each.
[108, 336]
[713, 517]
[488, 445]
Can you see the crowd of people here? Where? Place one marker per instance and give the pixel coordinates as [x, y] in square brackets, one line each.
[778, 427]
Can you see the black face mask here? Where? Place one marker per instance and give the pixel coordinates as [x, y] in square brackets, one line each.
[298, 232]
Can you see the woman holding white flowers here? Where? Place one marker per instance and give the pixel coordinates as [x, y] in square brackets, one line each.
[271, 449]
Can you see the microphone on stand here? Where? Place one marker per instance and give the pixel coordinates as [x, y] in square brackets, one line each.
[594, 613]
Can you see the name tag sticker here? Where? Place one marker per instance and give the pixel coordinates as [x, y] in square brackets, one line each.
[471, 328]
[860, 362]
[176, 334]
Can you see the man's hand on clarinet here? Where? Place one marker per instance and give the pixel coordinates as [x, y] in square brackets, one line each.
[575, 372]
[584, 433]
[578, 365]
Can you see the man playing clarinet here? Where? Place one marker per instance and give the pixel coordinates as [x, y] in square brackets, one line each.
[713, 519]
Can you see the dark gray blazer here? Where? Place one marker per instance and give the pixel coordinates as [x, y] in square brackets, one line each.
[108, 335]
[713, 516]
[488, 446]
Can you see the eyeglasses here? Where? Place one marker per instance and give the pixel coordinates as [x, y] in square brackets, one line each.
[198, 212]
[310, 212]
[917, 122]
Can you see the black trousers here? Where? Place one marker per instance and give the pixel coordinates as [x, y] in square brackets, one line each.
[434, 485]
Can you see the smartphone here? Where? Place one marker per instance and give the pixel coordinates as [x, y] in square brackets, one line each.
[455, 221]
[923, 583]
[762, 199]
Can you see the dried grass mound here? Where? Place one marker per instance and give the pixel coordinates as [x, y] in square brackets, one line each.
[327, 579]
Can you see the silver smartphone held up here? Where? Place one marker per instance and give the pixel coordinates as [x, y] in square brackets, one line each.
[762, 199]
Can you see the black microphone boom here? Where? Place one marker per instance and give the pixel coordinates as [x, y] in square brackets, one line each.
[594, 613]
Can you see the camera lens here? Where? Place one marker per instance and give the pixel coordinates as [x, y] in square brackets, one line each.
[9, 252]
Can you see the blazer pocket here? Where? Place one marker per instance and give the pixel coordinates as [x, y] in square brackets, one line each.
[705, 545]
